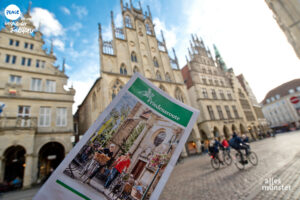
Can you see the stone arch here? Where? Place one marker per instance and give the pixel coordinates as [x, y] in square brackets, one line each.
[136, 69]
[123, 69]
[155, 62]
[233, 128]
[115, 87]
[243, 129]
[216, 132]
[203, 135]
[14, 163]
[168, 78]
[128, 20]
[162, 88]
[49, 157]
[148, 74]
[179, 95]
[158, 75]
[133, 57]
[226, 132]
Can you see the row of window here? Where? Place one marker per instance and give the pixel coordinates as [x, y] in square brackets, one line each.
[214, 94]
[17, 42]
[212, 82]
[220, 112]
[134, 59]
[44, 119]
[128, 24]
[24, 61]
[209, 71]
[36, 83]
[277, 96]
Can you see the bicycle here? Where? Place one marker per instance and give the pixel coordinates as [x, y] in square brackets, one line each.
[251, 157]
[215, 162]
[226, 156]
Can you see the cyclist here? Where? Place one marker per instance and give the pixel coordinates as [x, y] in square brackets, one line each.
[237, 143]
[214, 149]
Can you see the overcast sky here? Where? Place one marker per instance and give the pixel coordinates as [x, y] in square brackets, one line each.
[247, 36]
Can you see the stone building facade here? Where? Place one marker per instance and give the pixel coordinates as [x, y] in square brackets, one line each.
[134, 48]
[287, 15]
[36, 122]
[281, 113]
[216, 91]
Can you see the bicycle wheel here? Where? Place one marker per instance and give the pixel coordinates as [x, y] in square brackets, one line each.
[215, 163]
[238, 163]
[253, 158]
[227, 159]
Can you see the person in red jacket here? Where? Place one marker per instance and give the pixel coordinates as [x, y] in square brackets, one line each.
[122, 164]
[225, 144]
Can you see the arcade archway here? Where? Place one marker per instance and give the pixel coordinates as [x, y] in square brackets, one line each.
[50, 156]
[14, 159]
[226, 132]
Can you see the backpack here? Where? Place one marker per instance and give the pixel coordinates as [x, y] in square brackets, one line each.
[232, 143]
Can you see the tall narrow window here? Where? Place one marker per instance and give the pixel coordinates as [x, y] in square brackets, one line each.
[14, 59]
[28, 62]
[133, 57]
[36, 84]
[37, 63]
[43, 64]
[213, 93]
[229, 95]
[135, 69]
[23, 61]
[45, 117]
[211, 112]
[204, 93]
[222, 94]
[228, 112]
[15, 79]
[155, 62]
[158, 76]
[24, 114]
[61, 116]
[220, 112]
[148, 29]
[11, 42]
[17, 43]
[168, 78]
[128, 22]
[50, 86]
[123, 69]
[7, 58]
[178, 95]
[94, 101]
[25, 45]
[31, 46]
[236, 114]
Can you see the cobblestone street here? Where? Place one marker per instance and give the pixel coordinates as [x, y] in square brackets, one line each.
[278, 159]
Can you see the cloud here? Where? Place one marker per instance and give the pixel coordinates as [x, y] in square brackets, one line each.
[68, 67]
[106, 33]
[50, 26]
[65, 10]
[59, 44]
[75, 27]
[170, 35]
[80, 11]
